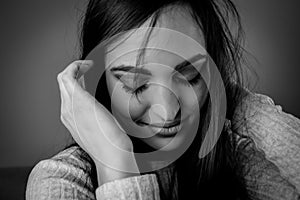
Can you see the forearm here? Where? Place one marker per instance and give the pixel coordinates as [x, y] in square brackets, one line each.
[143, 187]
[114, 184]
[106, 174]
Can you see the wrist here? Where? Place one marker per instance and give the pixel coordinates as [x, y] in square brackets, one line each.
[106, 174]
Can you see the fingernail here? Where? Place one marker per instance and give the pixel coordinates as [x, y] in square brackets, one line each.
[87, 62]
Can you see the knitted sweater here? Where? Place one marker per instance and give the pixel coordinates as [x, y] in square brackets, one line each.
[273, 162]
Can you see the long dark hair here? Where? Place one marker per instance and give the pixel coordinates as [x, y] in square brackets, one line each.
[219, 174]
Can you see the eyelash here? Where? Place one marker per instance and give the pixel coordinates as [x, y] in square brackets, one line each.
[142, 88]
[193, 81]
[135, 91]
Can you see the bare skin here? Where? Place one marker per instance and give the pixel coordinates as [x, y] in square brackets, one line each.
[81, 103]
[84, 129]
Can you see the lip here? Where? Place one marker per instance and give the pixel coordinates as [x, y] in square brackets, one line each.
[169, 129]
[166, 125]
[161, 125]
[166, 132]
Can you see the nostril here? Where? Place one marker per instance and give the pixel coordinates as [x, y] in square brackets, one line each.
[156, 113]
[164, 120]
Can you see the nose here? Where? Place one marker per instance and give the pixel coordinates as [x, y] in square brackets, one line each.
[165, 106]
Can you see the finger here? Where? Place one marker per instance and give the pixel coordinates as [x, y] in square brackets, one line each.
[77, 68]
[82, 82]
[85, 65]
[63, 92]
[66, 102]
[75, 71]
[64, 113]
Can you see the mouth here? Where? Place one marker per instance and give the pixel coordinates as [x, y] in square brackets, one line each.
[166, 132]
[168, 129]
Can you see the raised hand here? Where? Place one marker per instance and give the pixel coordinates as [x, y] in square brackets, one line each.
[93, 127]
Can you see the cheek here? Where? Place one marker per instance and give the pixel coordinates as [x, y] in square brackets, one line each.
[193, 98]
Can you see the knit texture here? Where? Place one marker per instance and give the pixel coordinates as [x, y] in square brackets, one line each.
[271, 161]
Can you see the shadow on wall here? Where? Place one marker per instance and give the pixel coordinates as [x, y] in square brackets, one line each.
[13, 182]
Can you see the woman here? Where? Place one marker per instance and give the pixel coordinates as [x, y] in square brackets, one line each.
[232, 169]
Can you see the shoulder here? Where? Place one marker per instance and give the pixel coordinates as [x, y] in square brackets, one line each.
[255, 104]
[66, 175]
[274, 132]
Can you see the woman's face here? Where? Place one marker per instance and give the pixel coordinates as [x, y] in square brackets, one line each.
[164, 99]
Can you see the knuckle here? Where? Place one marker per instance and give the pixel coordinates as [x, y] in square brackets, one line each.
[75, 62]
[62, 118]
[64, 78]
[63, 112]
[58, 77]
[61, 77]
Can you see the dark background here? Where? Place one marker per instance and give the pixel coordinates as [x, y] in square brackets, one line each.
[39, 39]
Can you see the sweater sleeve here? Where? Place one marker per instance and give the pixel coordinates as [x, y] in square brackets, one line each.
[67, 176]
[262, 177]
[272, 157]
[55, 180]
[144, 187]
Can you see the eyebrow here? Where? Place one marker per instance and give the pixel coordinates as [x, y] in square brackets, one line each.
[132, 69]
[179, 67]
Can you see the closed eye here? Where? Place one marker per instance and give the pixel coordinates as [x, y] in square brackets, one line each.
[130, 86]
[136, 91]
[189, 81]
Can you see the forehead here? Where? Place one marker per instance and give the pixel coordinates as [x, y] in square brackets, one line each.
[176, 35]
